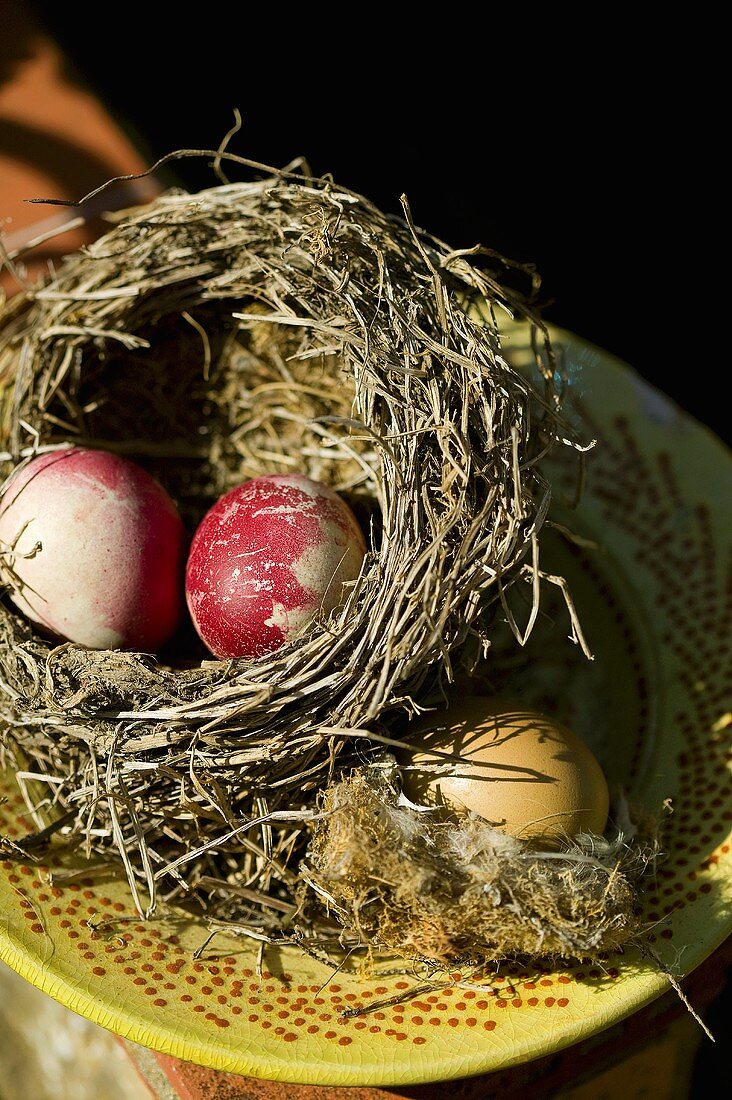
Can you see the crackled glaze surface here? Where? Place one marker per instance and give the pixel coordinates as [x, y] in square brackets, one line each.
[655, 707]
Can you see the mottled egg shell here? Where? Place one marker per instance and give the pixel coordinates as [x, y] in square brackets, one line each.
[266, 559]
[524, 772]
[92, 549]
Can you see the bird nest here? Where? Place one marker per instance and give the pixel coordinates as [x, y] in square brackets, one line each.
[283, 325]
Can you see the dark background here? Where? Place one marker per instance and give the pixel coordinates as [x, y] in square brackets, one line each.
[581, 147]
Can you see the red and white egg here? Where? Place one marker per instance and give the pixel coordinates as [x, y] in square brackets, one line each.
[270, 556]
[92, 549]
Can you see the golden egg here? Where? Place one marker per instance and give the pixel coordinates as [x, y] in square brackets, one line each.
[524, 772]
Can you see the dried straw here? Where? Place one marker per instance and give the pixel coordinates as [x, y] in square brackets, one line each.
[284, 324]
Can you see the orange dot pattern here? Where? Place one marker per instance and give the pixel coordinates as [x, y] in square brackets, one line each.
[675, 550]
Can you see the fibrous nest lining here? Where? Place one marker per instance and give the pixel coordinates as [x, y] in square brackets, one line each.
[449, 889]
[280, 325]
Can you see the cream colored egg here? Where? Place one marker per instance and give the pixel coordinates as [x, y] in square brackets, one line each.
[524, 772]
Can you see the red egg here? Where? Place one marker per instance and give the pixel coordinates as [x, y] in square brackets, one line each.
[91, 547]
[266, 559]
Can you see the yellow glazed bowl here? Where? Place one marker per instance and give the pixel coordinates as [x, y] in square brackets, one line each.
[655, 706]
